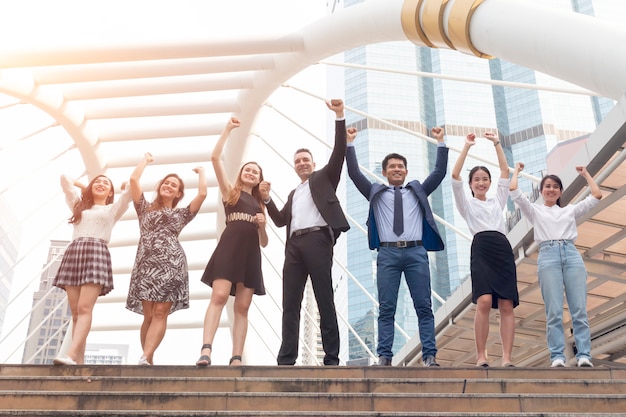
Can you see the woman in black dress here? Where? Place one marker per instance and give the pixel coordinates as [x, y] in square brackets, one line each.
[235, 266]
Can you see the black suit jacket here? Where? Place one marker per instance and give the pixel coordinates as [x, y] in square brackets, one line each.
[323, 184]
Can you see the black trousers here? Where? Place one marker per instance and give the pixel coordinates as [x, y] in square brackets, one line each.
[310, 254]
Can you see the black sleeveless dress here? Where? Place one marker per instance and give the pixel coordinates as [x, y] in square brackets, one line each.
[237, 256]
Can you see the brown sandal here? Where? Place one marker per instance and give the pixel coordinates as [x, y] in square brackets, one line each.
[233, 359]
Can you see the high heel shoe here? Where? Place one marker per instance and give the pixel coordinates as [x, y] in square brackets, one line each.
[205, 360]
[233, 359]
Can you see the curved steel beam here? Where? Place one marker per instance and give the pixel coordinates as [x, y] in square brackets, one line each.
[49, 99]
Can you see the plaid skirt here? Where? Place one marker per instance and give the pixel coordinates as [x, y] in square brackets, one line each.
[86, 261]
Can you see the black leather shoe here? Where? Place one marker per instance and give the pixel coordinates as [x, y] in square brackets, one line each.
[430, 361]
[382, 361]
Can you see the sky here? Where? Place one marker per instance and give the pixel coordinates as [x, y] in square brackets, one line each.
[41, 22]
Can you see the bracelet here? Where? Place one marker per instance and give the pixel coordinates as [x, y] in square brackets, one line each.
[496, 144]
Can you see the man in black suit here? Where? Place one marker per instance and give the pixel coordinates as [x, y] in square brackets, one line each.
[314, 221]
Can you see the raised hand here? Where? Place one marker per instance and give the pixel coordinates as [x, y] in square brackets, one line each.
[233, 123]
[351, 134]
[593, 186]
[336, 105]
[437, 133]
[491, 136]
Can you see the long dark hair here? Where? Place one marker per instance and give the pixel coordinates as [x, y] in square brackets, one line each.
[157, 204]
[235, 193]
[473, 171]
[86, 200]
[555, 179]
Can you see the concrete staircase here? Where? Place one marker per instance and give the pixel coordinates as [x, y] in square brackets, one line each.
[41, 390]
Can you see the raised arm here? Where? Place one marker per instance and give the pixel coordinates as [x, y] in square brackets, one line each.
[196, 203]
[515, 178]
[593, 186]
[135, 186]
[523, 203]
[433, 180]
[79, 185]
[470, 140]
[335, 162]
[360, 181]
[71, 193]
[121, 204]
[216, 158]
[504, 166]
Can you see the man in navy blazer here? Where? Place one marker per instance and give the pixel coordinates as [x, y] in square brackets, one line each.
[314, 221]
[402, 250]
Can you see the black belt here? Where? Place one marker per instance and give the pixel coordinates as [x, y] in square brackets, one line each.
[401, 244]
[301, 232]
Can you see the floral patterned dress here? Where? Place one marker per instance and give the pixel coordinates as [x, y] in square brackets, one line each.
[160, 272]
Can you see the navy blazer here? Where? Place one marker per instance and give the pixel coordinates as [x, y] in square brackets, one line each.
[431, 238]
[323, 184]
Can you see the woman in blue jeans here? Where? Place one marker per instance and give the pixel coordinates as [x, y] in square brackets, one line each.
[559, 264]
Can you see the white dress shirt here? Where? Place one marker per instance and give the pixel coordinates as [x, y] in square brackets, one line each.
[553, 223]
[482, 215]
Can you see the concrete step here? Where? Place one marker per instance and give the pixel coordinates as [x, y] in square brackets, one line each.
[159, 413]
[336, 385]
[316, 401]
[306, 391]
[166, 413]
[317, 372]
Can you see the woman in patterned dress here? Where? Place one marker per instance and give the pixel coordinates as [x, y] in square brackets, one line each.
[159, 283]
[235, 266]
[85, 272]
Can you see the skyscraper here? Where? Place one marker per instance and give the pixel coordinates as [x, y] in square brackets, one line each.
[529, 123]
[50, 314]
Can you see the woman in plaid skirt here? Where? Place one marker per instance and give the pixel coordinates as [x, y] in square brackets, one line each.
[159, 283]
[85, 272]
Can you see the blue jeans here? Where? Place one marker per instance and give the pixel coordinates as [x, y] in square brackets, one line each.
[391, 263]
[560, 266]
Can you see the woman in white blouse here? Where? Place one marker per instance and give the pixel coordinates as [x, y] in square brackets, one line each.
[559, 265]
[492, 265]
[85, 272]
